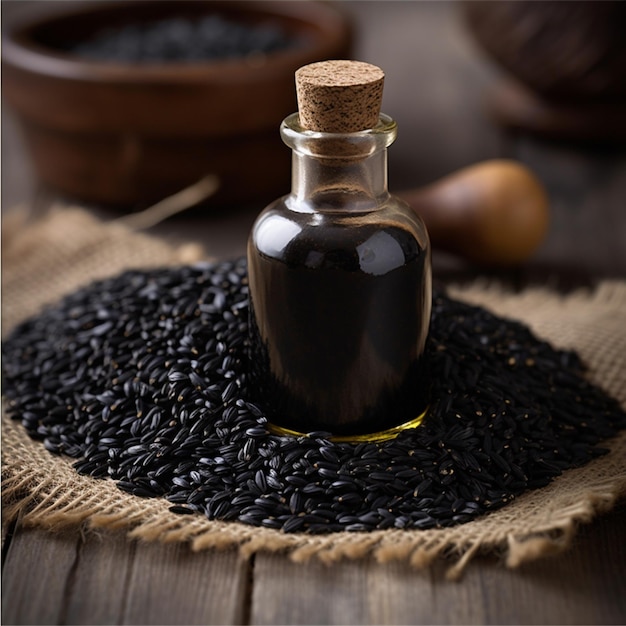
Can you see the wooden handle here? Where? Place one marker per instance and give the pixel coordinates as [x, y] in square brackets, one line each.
[493, 213]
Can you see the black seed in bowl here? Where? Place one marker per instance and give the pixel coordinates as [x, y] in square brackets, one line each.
[211, 37]
[142, 379]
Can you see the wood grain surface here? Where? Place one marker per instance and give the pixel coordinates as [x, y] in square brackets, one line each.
[436, 81]
[103, 578]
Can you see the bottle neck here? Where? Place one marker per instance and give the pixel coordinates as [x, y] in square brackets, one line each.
[338, 172]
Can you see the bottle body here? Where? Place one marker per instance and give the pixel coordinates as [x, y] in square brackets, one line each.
[340, 299]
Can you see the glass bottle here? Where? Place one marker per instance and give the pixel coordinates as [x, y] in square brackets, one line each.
[340, 290]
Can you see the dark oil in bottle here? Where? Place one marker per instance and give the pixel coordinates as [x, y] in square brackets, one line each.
[339, 317]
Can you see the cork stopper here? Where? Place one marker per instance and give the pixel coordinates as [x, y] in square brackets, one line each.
[339, 96]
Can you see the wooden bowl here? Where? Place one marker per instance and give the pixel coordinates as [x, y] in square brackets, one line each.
[573, 52]
[129, 134]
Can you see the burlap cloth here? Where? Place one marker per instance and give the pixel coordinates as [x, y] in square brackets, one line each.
[70, 248]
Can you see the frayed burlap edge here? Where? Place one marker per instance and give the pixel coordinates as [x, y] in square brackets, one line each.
[45, 491]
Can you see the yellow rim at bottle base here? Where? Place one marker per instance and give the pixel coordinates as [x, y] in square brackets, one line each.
[381, 435]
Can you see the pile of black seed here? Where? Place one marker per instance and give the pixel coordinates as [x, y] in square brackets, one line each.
[208, 38]
[142, 378]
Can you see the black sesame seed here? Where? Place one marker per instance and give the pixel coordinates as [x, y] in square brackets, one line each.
[142, 378]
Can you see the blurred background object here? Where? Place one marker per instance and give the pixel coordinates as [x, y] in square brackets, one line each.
[494, 213]
[438, 80]
[567, 59]
[124, 103]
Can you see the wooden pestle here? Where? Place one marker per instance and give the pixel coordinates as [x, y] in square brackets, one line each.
[494, 213]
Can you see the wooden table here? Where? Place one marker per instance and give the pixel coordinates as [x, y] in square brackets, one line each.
[435, 88]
